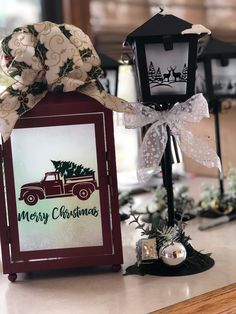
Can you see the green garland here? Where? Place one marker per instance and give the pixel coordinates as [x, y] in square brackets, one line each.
[213, 202]
[183, 204]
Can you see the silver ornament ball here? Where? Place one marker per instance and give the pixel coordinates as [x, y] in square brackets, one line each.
[173, 253]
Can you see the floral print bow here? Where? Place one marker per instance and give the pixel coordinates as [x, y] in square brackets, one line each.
[48, 57]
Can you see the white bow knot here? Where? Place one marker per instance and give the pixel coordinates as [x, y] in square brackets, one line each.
[155, 139]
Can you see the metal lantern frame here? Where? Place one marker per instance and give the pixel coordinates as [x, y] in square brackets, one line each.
[222, 51]
[109, 64]
[74, 111]
[168, 30]
[142, 69]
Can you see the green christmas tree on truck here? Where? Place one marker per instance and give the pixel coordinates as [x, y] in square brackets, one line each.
[69, 169]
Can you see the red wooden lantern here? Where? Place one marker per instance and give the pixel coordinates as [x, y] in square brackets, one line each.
[59, 200]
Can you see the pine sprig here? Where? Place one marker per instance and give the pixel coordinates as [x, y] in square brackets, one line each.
[144, 230]
[183, 238]
[166, 234]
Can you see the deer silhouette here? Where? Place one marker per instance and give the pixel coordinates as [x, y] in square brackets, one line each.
[175, 74]
[167, 75]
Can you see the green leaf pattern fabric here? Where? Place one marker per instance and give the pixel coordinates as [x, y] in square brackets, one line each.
[48, 57]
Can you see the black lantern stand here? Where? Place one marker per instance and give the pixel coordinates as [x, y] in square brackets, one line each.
[216, 110]
[164, 60]
[220, 67]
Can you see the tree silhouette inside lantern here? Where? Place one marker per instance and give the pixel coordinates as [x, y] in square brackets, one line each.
[156, 78]
[166, 47]
[163, 79]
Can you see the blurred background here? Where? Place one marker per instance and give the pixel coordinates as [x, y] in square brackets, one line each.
[107, 22]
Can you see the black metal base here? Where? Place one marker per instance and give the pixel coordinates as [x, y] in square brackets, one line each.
[195, 263]
[210, 213]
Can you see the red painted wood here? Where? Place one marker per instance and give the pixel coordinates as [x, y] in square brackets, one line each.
[4, 236]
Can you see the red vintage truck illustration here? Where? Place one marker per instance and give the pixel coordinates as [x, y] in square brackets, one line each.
[53, 185]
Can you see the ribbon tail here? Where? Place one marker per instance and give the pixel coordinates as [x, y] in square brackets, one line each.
[197, 149]
[151, 152]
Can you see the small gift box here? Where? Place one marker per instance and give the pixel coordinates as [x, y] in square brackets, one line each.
[146, 251]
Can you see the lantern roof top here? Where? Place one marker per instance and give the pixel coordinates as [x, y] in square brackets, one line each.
[218, 47]
[107, 62]
[159, 25]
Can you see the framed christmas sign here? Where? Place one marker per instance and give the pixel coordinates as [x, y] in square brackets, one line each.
[60, 205]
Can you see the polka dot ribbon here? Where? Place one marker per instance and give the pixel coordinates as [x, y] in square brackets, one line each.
[155, 139]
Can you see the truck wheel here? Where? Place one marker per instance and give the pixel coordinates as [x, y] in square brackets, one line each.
[31, 198]
[83, 193]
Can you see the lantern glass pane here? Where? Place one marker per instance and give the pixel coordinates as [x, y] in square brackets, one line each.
[108, 81]
[126, 77]
[224, 77]
[167, 70]
[56, 221]
[126, 139]
[200, 82]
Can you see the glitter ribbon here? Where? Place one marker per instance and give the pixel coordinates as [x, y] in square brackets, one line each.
[153, 146]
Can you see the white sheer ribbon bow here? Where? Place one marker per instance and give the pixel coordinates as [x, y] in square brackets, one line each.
[154, 142]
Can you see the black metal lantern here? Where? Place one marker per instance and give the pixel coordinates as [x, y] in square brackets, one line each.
[220, 68]
[165, 52]
[216, 78]
[109, 79]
